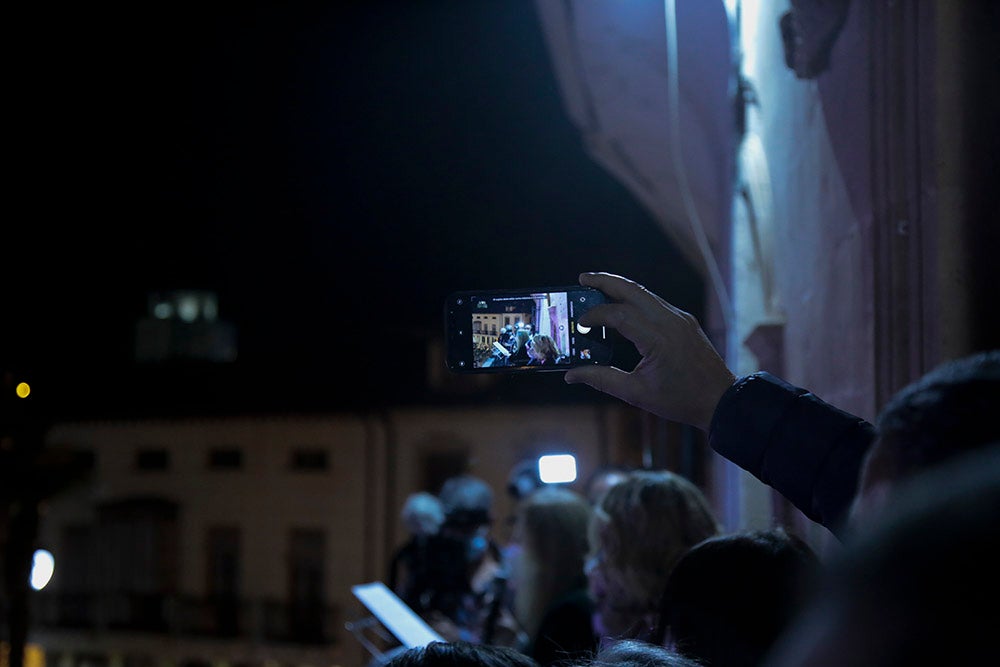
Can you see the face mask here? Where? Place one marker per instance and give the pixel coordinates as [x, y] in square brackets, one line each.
[475, 548]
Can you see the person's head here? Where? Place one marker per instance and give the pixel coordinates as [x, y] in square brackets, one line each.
[637, 532]
[638, 653]
[916, 585]
[461, 654]
[603, 479]
[524, 479]
[422, 514]
[468, 510]
[729, 597]
[543, 348]
[551, 526]
[521, 338]
[949, 411]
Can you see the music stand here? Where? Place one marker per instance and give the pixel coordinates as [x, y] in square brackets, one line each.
[388, 613]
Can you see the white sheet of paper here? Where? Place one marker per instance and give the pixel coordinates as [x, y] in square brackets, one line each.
[395, 615]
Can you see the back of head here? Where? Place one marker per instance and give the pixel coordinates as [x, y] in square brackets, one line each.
[950, 410]
[641, 527]
[422, 514]
[554, 521]
[917, 585]
[552, 525]
[637, 653]
[467, 502]
[603, 479]
[729, 598]
[461, 654]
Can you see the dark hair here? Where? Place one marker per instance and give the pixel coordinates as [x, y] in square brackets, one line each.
[639, 653]
[461, 654]
[916, 585]
[524, 479]
[952, 408]
[729, 597]
[467, 501]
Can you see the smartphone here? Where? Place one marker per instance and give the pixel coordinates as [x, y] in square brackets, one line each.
[517, 330]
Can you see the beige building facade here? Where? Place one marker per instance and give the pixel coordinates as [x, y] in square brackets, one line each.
[236, 540]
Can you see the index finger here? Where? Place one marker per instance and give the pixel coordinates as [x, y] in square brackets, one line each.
[625, 290]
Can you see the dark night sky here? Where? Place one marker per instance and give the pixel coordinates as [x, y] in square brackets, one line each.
[332, 170]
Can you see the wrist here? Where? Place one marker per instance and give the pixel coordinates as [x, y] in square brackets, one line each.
[713, 396]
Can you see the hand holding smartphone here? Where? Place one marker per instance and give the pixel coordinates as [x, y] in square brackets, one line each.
[518, 330]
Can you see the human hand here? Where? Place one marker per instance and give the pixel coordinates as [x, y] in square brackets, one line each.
[680, 377]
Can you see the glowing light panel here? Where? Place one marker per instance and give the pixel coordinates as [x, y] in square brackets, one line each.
[557, 468]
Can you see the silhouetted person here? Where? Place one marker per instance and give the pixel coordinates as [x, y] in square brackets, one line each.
[468, 561]
[552, 604]
[411, 574]
[519, 351]
[917, 584]
[461, 654]
[730, 597]
[948, 412]
[637, 653]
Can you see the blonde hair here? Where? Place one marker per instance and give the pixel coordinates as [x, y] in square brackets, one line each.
[553, 531]
[544, 346]
[639, 530]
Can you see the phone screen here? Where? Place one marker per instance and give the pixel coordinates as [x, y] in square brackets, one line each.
[523, 330]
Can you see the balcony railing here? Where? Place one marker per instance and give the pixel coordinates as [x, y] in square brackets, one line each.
[259, 620]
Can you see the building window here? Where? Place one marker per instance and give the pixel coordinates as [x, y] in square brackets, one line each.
[306, 576]
[225, 459]
[223, 585]
[86, 459]
[309, 459]
[152, 459]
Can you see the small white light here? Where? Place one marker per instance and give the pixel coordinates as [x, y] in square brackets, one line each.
[163, 310]
[557, 468]
[582, 329]
[42, 567]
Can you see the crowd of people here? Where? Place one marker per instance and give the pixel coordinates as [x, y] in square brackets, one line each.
[638, 571]
[521, 346]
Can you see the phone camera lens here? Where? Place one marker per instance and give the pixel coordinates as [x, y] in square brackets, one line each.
[461, 364]
[458, 301]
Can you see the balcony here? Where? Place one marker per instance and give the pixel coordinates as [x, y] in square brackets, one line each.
[259, 620]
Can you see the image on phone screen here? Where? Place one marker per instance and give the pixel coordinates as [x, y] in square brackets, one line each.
[498, 330]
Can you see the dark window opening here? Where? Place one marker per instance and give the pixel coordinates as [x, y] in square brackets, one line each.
[152, 459]
[225, 459]
[309, 459]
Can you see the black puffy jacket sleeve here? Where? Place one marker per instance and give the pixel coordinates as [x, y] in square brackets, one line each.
[808, 450]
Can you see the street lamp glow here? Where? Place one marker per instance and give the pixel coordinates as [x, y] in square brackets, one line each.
[42, 567]
[557, 468]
